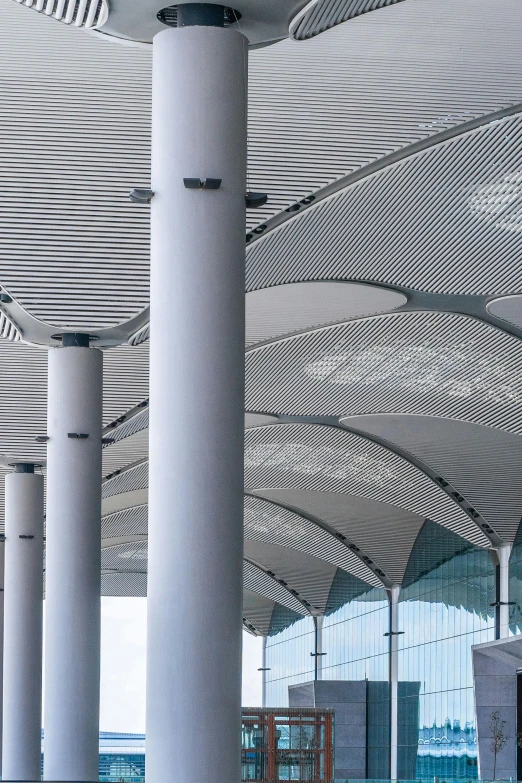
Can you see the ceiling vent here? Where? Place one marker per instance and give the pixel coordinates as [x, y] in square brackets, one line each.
[88, 14]
[169, 16]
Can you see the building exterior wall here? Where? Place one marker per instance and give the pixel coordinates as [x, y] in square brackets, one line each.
[496, 692]
[445, 608]
[349, 701]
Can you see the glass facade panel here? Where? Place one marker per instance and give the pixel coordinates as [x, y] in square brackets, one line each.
[114, 768]
[515, 585]
[357, 649]
[293, 744]
[289, 660]
[445, 608]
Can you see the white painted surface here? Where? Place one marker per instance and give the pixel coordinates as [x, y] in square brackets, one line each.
[196, 406]
[503, 561]
[394, 678]
[23, 608]
[73, 548]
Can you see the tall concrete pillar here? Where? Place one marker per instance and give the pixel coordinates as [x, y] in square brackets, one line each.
[2, 555]
[73, 562]
[23, 608]
[199, 109]
[394, 679]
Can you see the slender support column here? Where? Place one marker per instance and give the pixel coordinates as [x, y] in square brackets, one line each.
[72, 616]
[263, 671]
[503, 554]
[394, 679]
[23, 609]
[196, 404]
[319, 653]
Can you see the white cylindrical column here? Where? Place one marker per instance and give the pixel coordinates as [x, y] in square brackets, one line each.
[73, 546]
[319, 652]
[23, 608]
[504, 553]
[394, 679]
[2, 554]
[263, 672]
[196, 405]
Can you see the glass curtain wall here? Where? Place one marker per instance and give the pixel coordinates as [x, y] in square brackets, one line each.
[445, 608]
[515, 585]
[289, 660]
[357, 649]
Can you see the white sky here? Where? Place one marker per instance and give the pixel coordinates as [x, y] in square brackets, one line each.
[123, 644]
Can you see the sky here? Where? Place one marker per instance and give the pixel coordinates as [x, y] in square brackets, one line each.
[123, 645]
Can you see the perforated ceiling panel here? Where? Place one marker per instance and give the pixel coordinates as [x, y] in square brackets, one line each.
[131, 521]
[437, 364]
[120, 502]
[134, 478]
[124, 585]
[272, 524]
[129, 426]
[381, 530]
[256, 580]
[310, 578]
[130, 557]
[321, 15]
[75, 251]
[481, 462]
[509, 308]
[125, 451]
[328, 459]
[272, 312]
[86, 13]
[258, 610]
[464, 191]
[258, 420]
[23, 399]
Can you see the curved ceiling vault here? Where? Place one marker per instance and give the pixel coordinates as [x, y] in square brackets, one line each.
[382, 282]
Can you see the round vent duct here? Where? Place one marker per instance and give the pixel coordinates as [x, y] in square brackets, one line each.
[169, 16]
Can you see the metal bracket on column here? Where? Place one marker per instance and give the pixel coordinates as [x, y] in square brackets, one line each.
[503, 603]
[77, 435]
[42, 438]
[22, 536]
[202, 184]
[255, 200]
[141, 195]
[393, 633]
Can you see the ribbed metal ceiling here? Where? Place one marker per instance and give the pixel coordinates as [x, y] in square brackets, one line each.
[482, 462]
[380, 530]
[439, 364]
[272, 312]
[329, 460]
[321, 15]
[270, 523]
[74, 250]
[442, 388]
[422, 222]
[80, 13]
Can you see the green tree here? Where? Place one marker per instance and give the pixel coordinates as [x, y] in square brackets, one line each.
[498, 738]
